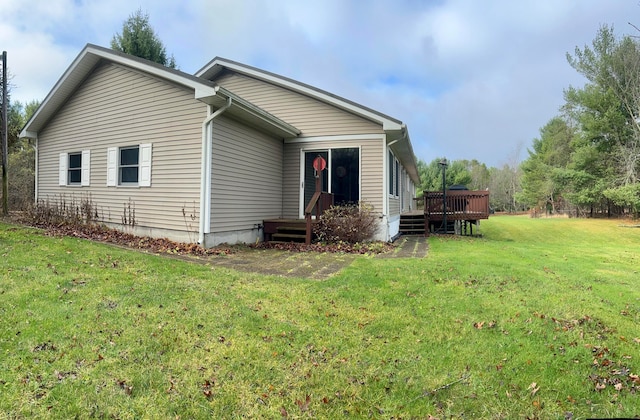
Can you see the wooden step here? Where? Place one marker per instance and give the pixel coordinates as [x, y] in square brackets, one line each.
[412, 224]
[292, 229]
[288, 237]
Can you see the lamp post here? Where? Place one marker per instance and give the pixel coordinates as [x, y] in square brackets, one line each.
[443, 163]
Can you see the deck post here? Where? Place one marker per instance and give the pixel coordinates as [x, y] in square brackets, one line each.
[444, 165]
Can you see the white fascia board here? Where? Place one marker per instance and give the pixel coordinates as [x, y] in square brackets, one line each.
[339, 137]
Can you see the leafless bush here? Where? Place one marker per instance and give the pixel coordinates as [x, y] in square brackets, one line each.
[129, 214]
[189, 219]
[347, 223]
[63, 210]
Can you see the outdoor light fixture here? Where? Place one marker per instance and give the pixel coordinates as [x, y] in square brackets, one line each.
[443, 163]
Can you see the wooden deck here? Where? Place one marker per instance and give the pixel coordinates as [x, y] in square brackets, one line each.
[459, 208]
[463, 209]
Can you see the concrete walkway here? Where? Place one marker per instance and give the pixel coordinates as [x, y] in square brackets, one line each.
[408, 247]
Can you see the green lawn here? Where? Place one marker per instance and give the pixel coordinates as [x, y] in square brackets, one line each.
[538, 318]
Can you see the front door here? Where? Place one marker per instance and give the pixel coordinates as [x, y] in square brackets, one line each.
[341, 178]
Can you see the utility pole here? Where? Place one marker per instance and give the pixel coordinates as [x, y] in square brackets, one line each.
[5, 137]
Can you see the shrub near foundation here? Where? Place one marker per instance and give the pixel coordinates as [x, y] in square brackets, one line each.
[349, 223]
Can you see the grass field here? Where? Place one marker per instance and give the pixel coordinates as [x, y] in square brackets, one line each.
[537, 319]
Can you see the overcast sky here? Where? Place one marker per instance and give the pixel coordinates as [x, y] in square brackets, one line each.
[471, 79]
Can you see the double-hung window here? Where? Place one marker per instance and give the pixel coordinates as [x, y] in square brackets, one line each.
[74, 171]
[74, 168]
[129, 166]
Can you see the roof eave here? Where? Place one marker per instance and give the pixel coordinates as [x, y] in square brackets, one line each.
[404, 149]
[262, 117]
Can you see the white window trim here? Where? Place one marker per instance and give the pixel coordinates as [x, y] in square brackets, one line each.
[144, 166]
[85, 169]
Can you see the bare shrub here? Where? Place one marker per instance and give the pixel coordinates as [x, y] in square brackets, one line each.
[350, 223]
[63, 210]
[129, 214]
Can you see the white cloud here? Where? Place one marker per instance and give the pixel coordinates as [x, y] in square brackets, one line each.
[471, 79]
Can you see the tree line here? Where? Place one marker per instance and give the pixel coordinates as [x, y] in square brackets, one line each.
[586, 161]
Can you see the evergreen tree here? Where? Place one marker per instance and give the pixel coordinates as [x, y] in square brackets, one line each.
[138, 38]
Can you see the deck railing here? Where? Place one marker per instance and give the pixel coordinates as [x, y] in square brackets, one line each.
[459, 204]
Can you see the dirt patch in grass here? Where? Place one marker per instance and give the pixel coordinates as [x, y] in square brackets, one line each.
[311, 265]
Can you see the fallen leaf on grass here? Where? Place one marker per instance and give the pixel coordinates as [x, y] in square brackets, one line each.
[128, 389]
[478, 325]
[534, 388]
[206, 388]
[304, 406]
[600, 386]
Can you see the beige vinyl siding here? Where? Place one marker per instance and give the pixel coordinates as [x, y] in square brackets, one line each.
[371, 171]
[394, 206]
[312, 117]
[246, 177]
[118, 107]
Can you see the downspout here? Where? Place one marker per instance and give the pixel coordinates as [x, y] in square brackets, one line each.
[35, 187]
[205, 172]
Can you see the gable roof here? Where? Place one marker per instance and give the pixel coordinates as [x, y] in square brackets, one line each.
[208, 92]
[397, 132]
[218, 64]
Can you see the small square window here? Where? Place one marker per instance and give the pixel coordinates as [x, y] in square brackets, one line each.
[74, 168]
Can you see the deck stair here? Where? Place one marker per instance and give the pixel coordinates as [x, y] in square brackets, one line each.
[412, 223]
[285, 230]
[290, 233]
